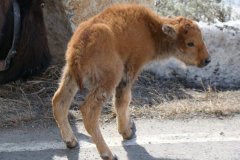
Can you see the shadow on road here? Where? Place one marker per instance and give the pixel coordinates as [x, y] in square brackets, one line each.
[140, 153]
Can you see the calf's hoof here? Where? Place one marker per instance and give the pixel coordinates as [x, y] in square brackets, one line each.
[107, 157]
[131, 133]
[72, 144]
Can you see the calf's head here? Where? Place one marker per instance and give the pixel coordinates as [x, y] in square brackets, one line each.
[188, 45]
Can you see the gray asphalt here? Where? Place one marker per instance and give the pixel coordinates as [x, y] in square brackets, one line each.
[195, 139]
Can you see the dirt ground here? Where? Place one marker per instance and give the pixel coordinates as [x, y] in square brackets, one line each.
[29, 101]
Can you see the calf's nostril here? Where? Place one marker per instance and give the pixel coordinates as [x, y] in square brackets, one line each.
[207, 61]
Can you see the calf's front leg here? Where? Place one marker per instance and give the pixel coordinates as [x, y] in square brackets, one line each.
[126, 126]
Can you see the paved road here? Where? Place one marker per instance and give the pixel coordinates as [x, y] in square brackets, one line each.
[195, 139]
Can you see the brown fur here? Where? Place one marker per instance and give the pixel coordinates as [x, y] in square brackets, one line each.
[107, 52]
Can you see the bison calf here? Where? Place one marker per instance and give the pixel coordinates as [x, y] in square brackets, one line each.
[105, 55]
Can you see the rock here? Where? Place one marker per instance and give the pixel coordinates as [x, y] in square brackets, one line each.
[58, 29]
[80, 11]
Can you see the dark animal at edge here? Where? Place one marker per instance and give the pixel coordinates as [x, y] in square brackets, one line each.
[33, 55]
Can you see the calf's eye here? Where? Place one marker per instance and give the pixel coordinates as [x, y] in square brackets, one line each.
[190, 44]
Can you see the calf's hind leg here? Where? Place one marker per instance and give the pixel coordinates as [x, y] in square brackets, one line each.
[61, 102]
[91, 110]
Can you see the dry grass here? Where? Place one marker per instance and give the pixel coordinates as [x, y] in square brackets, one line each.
[29, 100]
[219, 104]
[153, 97]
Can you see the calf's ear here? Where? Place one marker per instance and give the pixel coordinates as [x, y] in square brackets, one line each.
[170, 31]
